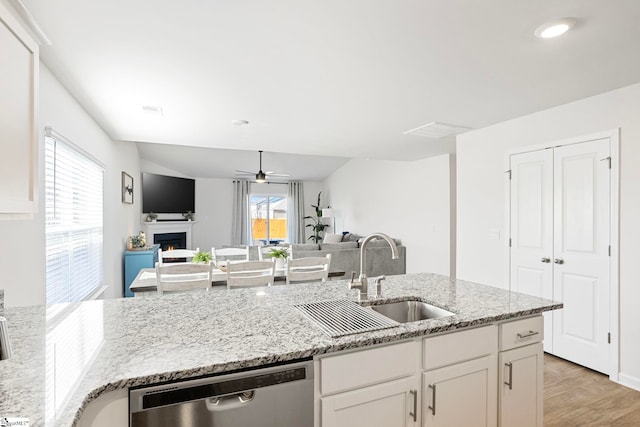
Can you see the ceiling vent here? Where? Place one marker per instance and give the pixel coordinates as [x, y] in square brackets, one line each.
[437, 130]
[152, 109]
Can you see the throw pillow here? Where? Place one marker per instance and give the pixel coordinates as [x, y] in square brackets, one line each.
[332, 238]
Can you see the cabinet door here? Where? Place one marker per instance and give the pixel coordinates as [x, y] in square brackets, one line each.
[18, 106]
[461, 395]
[391, 404]
[520, 384]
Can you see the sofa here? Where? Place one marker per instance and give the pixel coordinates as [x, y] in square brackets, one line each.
[345, 256]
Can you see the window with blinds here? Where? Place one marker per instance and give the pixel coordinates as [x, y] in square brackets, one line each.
[73, 209]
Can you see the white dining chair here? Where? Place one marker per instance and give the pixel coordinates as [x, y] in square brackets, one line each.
[173, 254]
[220, 256]
[248, 274]
[181, 277]
[308, 269]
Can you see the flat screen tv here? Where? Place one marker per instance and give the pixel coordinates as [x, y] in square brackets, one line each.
[167, 194]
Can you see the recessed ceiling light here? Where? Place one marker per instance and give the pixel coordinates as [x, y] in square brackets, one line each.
[240, 122]
[555, 28]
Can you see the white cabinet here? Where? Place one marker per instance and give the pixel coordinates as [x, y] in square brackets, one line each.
[520, 379]
[18, 108]
[390, 404]
[460, 395]
[521, 382]
[460, 373]
[372, 387]
[485, 377]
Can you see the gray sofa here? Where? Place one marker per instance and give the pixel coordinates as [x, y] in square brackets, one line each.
[345, 256]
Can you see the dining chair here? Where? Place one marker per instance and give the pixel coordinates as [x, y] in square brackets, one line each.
[173, 254]
[180, 277]
[222, 255]
[308, 269]
[247, 274]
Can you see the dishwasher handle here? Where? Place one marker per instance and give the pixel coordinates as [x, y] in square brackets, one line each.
[232, 401]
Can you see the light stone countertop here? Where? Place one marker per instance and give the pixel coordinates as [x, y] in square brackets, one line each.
[120, 343]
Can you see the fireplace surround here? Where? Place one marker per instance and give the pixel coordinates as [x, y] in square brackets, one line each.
[153, 229]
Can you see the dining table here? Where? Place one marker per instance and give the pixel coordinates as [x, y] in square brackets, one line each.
[145, 283]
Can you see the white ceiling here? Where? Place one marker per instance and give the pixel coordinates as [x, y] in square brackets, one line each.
[331, 78]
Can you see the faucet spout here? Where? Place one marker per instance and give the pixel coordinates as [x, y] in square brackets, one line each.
[363, 246]
[362, 282]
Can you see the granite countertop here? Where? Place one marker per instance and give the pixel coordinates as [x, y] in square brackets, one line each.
[120, 343]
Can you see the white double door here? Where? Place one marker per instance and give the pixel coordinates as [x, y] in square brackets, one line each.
[560, 244]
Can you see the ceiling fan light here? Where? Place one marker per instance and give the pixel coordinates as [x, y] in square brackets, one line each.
[261, 177]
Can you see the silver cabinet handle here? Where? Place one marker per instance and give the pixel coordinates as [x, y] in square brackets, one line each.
[558, 261]
[510, 382]
[527, 334]
[414, 414]
[432, 407]
[545, 259]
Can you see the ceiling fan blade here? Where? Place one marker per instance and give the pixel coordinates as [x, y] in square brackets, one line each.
[276, 174]
[245, 172]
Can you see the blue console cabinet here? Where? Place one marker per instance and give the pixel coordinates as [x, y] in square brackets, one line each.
[134, 261]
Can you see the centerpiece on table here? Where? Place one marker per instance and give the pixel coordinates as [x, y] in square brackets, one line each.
[201, 257]
[280, 254]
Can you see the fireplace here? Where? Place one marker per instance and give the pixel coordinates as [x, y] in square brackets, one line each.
[171, 241]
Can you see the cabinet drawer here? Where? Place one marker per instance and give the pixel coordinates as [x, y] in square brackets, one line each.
[460, 346]
[521, 332]
[366, 367]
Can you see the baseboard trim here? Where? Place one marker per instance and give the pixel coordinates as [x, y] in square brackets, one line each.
[629, 381]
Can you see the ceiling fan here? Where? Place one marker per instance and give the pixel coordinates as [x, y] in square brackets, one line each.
[260, 175]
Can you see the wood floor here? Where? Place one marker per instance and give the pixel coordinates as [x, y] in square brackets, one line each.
[577, 396]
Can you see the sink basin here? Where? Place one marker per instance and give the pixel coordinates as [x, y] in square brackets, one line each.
[410, 311]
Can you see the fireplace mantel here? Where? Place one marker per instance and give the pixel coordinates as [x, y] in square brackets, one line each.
[159, 227]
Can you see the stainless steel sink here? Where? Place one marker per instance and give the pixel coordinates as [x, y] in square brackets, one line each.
[410, 311]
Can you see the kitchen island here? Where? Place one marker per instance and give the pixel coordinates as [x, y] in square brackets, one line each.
[64, 357]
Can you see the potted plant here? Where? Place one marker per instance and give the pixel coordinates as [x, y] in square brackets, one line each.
[280, 254]
[201, 257]
[317, 226]
[136, 242]
[189, 216]
[151, 217]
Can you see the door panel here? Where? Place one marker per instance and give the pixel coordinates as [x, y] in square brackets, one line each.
[531, 210]
[579, 319]
[581, 242]
[578, 184]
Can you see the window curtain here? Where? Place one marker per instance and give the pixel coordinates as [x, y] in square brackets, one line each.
[295, 212]
[241, 219]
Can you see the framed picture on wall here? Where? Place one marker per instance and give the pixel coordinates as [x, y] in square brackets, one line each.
[127, 188]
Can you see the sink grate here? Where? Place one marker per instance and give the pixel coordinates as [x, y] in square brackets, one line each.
[339, 318]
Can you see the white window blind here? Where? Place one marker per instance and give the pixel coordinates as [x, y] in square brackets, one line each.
[74, 241]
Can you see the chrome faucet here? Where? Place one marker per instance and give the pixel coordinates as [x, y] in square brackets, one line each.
[362, 283]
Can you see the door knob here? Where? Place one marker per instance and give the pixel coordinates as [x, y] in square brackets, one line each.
[558, 261]
[545, 259]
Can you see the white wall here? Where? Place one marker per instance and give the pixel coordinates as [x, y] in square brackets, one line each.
[481, 197]
[22, 254]
[407, 200]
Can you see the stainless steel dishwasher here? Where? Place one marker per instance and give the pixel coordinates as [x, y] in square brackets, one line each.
[277, 396]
